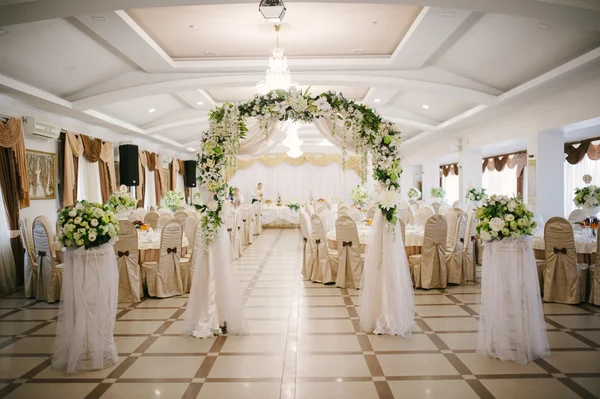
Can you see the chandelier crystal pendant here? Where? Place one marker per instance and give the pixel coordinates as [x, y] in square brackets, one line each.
[278, 75]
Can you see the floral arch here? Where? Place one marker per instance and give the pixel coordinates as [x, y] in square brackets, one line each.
[346, 123]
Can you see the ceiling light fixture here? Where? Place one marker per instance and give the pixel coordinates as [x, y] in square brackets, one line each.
[377, 100]
[272, 10]
[278, 75]
[98, 19]
[425, 106]
[191, 149]
[151, 110]
[295, 152]
[69, 68]
[193, 27]
[199, 103]
[447, 14]
[543, 26]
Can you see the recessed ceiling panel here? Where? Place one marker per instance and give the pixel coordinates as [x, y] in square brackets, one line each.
[431, 105]
[232, 94]
[143, 110]
[309, 29]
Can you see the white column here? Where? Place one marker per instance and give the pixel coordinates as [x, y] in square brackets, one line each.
[550, 158]
[469, 174]
[407, 180]
[431, 178]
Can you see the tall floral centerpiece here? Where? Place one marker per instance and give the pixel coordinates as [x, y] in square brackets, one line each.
[475, 196]
[438, 193]
[172, 200]
[511, 323]
[360, 196]
[588, 199]
[88, 306]
[414, 194]
[121, 202]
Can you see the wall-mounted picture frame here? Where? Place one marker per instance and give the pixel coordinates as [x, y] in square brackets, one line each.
[41, 169]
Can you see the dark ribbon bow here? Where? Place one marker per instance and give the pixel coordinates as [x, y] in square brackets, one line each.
[229, 230]
[239, 227]
[256, 214]
[462, 239]
[244, 220]
[305, 239]
[172, 250]
[346, 244]
[472, 238]
[317, 242]
[561, 250]
[121, 254]
[42, 253]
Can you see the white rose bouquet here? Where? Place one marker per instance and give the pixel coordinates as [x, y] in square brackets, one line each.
[587, 197]
[172, 200]
[360, 196]
[413, 193]
[476, 194]
[121, 202]
[87, 224]
[438, 192]
[503, 217]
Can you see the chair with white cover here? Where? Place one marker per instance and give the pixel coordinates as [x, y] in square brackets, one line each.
[327, 219]
[191, 224]
[306, 233]
[151, 219]
[163, 220]
[141, 211]
[239, 233]
[258, 229]
[469, 270]
[594, 278]
[181, 217]
[351, 263]
[164, 211]
[310, 210]
[454, 250]
[135, 217]
[444, 208]
[231, 230]
[371, 212]
[320, 209]
[577, 215]
[31, 267]
[422, 215]
[126, 250]
[428, 269]
[323, 261]
[355, 214]
[436, 207]
[49, 280]
[327, 204]
[342, 205]
[565, 281]
[247, 216]
[163, 278]
[457, 204]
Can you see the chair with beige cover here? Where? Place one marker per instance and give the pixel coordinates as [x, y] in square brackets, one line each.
[422, 215]
[310, 209]
[371, 212]
[164, 211]
[151, 219]
[31, 266]
[231, 230]
[342, 205]
[428, 269]
[320, 209]
[323, 261]
[163, 278]
[190, 233]
[49, 279]
[577, 215]
[351, 263]
[257, 207]
[343, 212]
[126, 250]
[436, 207]
[247, 216]
[454, 250]
[565, 281]
[456, 204]
[163, 220]
[239, 233]
[452, 217]
[141, 211]
[355, 214]
[327, 204]
[135, 217]
[181, 217]
[594, 278]
[468, 262]
[306, 233]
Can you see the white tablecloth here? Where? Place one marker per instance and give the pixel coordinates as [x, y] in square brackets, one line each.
[414, 235]
[151, 240]
[583, 245]
[273, 213]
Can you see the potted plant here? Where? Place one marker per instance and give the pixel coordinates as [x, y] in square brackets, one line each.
[414, 194]
[121, 203]
[438, 193]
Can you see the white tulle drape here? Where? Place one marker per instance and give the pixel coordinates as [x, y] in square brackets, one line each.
[257, 142]
[150, 196]
[511, 326]
[297, 182]
[88, 181]
[88, 310]
[8, 273]
[179, 185]
[387, 304]
[325, 127]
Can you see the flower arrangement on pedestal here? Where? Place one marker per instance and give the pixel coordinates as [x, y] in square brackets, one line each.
[294, 206]
[87, 225]
[121, 201]
[360, 196]
[438, 192]
[475, 194]
[414, 194]
[588, 198]
[172, 200]
[231, 191]
[502, 217]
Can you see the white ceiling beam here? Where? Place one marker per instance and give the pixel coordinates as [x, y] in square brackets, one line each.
[573, 14]
[173, 125]
[196, 99]
[379, 97]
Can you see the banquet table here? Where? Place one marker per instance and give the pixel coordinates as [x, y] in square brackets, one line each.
[279, 216]
[584, 246]
[414, 237]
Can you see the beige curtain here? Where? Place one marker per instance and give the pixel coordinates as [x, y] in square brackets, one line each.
[451, 169]
[140, 190]
[11, 137]
[576, 151]
[108, 181]
[72, 151]
[154, 164]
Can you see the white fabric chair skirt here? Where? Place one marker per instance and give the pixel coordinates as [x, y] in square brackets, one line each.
[511, 326]
[88, 310]
[280, 215]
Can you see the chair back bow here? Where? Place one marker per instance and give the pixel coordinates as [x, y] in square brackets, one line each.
[561, 250]
[244, 220]
[229, 230]
[42, 253]
[239, 227]
[462, 239]
[305, 239]
[172, 250]
[472, 238]
[317, 241]
[346, 244]
[124, 253]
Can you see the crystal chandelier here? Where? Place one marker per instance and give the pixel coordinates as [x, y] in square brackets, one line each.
[278, 75]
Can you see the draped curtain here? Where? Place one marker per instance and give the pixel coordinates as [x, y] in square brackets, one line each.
[140, 190]
[8, 272]
[14, 184]
[490, 165]
[154, 164]
[176, 169]
[575, 152]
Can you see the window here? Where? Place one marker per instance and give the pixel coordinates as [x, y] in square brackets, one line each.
[574, 179]
[451, 185]
[503, 182]
[88, 181]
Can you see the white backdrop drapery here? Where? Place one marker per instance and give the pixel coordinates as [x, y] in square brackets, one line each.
[150, 196]
[88, 181]
[574, 179]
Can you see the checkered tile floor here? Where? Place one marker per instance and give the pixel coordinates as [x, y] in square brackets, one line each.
[305, 342]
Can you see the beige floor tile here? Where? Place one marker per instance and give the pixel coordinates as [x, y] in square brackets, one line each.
[42, 345]
[421, 364]
[16, 328]
[453, 324]
[279, 272]
[255, 344]
[420, 291]
[321, 301]
[268, 301]
[476, 308]
[463, 289]
[574, 322]
[487, 365]
[559, 308]
[163, 303]
[468, 298]
[390, 343]
[450, 389]
[559, 339]
[460, 341]
[128, 344]
[575, 362]
[591, 335]
[164, 367]
[149, 390]
[267, 312]
[432, 300]
[268, 326]
[53, 390]
[591, 384]
[246, 278]
[181, 345]
[33, 315]
[18, 294]
[546, 388]
[325, 326]
[273, 284]
[249, 366]
[341, 389]
[322, 311]
[275, 277]
[14, 303]
[238, 390]
[328, 343]
[51, 373]
[309, 291]
[15, 367]
[332, 366]
[123, 305]
[148, 314]
[271, 292]
[136, 327]
[442, 310]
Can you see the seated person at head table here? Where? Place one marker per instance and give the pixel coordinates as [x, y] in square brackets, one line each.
[258, 194]
[238, 198]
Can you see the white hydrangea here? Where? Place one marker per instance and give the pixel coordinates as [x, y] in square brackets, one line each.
[497, 224]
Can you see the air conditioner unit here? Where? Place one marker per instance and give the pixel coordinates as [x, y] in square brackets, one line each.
[39, 129]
